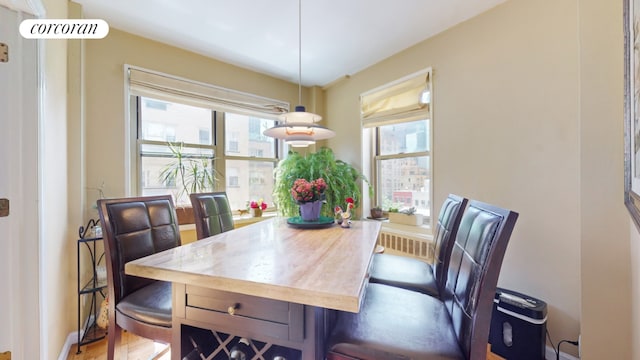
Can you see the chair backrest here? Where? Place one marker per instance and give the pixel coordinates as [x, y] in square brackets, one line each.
[133, 228]
[473, 271]
[212, 213]
[445, 234]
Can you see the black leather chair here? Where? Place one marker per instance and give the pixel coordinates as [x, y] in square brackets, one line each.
[134, 228]
[395, 323]
[417, 275]
[212, 213]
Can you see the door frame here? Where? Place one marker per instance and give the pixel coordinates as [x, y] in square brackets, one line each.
[23, 225]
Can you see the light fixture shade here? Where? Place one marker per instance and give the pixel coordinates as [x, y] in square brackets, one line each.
[299, 134]
[300, 116]
[298, 128]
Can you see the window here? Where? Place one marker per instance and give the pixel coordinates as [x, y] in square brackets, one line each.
[165, 130]
[402, 168]
[254, 157]
[396, 120]
[248, 161]
[217, 131]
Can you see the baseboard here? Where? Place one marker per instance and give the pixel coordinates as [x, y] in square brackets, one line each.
[550, 354]
[72, 339]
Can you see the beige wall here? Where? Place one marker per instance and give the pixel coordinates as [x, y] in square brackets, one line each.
[605, 248]
[519, 122]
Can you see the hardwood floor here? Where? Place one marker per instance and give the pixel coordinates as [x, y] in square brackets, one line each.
[138, 348]
[135, 348]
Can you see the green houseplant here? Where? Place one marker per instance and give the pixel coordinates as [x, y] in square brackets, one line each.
[190, 175]
[342, 179]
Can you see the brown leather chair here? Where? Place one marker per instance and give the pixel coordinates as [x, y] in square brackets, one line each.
[212, 213]
[417, 275]
[134, 228]
[395, 323]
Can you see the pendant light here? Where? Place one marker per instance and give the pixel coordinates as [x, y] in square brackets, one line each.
[299, 128]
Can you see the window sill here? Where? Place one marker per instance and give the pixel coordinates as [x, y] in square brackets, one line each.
[423, 231]
[238, 221]
[248, 220]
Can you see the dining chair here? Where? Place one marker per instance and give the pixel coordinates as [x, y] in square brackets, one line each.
[395, 323]
[418, 275]
[212, 213]
[133, 228]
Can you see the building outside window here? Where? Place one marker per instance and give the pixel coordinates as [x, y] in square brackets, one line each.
[401, 163]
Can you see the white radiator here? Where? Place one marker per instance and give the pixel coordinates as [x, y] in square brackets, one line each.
[415, 245]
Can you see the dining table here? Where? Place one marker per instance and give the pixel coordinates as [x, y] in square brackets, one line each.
[277, 282]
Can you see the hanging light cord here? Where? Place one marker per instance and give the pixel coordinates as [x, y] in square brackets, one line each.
[299, 52]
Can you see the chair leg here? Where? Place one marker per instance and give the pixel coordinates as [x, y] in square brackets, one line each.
[113, 341]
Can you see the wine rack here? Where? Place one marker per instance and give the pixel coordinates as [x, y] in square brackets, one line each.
[214, 345]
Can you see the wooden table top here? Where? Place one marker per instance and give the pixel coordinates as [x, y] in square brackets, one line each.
[320, 267]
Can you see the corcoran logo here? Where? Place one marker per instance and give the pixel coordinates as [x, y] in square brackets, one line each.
[64, 29]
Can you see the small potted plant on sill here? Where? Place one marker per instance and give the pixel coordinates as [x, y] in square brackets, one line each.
[406, 216]
[256, 208]
[377, 212]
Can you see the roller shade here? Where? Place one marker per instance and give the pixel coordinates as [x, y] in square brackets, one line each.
[171, 88]
[400, 101]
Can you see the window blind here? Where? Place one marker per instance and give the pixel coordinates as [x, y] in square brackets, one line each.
[166, 87]
[399, 101]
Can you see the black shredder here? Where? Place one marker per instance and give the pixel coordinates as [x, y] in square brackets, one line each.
[518, 326]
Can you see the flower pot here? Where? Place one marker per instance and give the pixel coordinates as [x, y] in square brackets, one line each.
[185, 215]
[310, 211]
[255, 212]
[377, 213]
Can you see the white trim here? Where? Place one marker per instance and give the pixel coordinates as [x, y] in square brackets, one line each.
[25, 292]
[72, 339]
[33, 7]
[129, 145]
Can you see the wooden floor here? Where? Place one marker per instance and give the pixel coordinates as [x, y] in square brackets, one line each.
[135, 348]
[138, 348]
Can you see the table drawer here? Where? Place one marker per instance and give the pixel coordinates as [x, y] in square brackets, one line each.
[281, 319]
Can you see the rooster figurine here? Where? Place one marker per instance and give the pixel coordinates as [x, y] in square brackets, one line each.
[346, 216]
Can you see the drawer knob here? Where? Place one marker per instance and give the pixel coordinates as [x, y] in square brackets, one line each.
[232, 309]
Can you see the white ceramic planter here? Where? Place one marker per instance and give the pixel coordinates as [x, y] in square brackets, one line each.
[400, 218]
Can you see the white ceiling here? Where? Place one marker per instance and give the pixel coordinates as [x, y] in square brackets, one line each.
[339, 37]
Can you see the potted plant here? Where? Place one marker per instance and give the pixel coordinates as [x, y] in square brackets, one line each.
[342, 180]
[377, 212]
[190, 175]
[256, 208]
